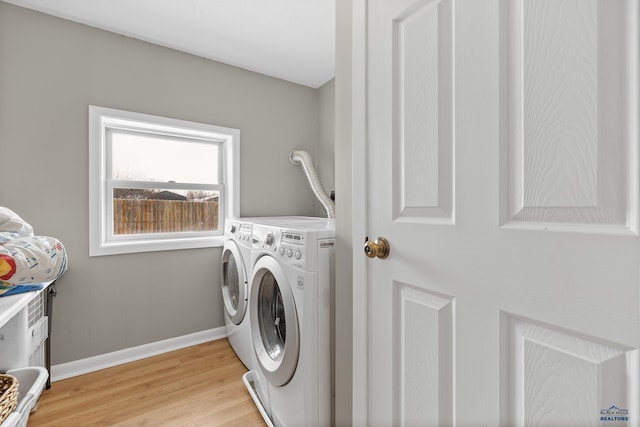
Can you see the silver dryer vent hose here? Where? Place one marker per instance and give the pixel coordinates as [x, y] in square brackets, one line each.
[302, 158]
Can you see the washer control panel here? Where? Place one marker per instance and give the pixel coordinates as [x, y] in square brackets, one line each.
[288, 245]
[292, 244]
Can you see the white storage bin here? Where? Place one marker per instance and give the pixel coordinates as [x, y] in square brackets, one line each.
[14, 342]
[31, 382]
[38, 333]
[12, 420]
[23, 334]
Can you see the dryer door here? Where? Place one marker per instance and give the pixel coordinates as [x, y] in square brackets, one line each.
[234, 282]
[274, 321]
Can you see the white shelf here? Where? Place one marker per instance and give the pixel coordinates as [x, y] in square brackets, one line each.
[11, 305]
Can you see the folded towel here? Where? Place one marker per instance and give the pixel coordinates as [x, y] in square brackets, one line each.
[12, 226]
[31, 260]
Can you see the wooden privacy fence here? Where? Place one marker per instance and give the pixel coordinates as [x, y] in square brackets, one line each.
[136, 216]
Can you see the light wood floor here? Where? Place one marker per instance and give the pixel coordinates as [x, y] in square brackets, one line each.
[196, 386]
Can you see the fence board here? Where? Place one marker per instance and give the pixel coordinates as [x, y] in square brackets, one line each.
[139, 216]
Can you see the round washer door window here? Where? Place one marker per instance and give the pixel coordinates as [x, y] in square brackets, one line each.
[234, 283]
[274, 322]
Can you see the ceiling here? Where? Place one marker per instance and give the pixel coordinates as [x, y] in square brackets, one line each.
[288, 39]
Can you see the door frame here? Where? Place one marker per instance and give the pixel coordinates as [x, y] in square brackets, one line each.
[359, 201]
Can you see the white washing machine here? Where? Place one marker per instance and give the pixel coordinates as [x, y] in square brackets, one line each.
[289, 312]
[236, 273]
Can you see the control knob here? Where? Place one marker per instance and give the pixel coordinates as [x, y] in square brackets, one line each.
[268, 239]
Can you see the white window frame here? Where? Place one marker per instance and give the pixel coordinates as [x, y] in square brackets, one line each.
[102, 241]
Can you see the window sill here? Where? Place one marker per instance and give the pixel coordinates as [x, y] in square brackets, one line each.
[134, 246]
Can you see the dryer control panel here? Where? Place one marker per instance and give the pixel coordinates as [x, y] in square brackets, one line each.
[241, 232]
[244, 233]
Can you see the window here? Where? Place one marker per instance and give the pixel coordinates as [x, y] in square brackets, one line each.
[158, 183]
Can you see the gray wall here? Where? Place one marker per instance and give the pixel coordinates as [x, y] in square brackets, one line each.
[325, 164]
[50, 71]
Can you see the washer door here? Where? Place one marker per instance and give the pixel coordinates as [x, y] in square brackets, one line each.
[274, 321]
[234, 282]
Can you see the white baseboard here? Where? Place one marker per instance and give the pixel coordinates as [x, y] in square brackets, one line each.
[96, 363]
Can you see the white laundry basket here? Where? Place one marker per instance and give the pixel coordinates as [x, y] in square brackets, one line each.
[31, 382]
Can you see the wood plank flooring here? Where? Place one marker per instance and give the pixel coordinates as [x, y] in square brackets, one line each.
[196, 386]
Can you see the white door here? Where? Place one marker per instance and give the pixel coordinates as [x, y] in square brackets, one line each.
[502, 167]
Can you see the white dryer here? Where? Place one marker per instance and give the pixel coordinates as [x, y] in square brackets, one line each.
[236, 273]
[289, 311]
